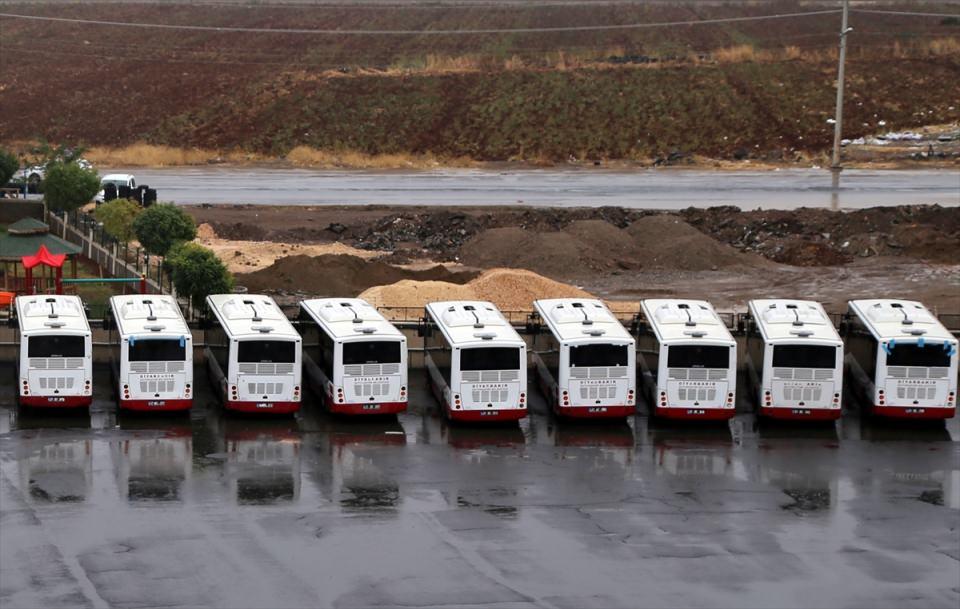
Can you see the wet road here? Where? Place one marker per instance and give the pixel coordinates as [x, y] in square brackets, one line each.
[644, 188]
[211, 510]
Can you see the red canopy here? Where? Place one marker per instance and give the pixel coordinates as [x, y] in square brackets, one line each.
[43, 256]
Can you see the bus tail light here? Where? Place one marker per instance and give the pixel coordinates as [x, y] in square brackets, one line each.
[523, 397]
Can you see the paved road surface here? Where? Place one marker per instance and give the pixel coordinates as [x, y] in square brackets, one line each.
[655, 189]
[207, 510]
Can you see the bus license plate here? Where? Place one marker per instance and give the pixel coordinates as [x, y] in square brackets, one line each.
[371, 406]
[696, 411]
[51, 400]
[915, 410]
[488, 413]
[597, 409]
[264, 405]
[156, 403]
[800, 411]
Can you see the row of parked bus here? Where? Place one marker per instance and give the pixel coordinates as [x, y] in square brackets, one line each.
[898, 356]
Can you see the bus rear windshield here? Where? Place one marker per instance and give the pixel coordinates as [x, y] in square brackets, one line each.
[371, 352]
[598, 355]
[52, 345]
[267, 351]
[698, 356]
[912, 354]
[804, 356]
[490, 358]
[157, 350]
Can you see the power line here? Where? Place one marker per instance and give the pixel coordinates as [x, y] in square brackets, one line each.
[903, 13]
[445, 32]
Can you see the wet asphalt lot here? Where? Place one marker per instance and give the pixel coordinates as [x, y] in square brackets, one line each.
[210, 510]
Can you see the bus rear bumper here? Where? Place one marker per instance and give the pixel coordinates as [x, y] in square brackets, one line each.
[56, 401]
[487, 416]
[694, 414]
[595, 412]
[913, 412]
[366, 409]
[264, 407]
[157, 405]
[787, 413]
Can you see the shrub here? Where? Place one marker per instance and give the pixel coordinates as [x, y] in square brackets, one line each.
[118, 217]
[8, 166]
[197, 272]
[160, 226]
[68, 186]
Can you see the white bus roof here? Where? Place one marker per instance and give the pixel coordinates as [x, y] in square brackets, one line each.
[892, 318]
[137, 314]
[676, 320]
[51, 313]
[793, 320]
[581, 320]
[350, 318]
[473, 323]
[251, 315]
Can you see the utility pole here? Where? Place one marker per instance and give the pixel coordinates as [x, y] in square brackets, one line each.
[838, 120]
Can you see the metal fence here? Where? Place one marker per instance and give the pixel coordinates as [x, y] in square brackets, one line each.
[115, 258]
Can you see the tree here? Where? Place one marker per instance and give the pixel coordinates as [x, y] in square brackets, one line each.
[68, 186]
[162, 225]
[8, 166]
[118, 217]
[197, 272]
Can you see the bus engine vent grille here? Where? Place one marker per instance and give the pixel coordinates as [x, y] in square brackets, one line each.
[157, 386]
[916, 393]
[615, 372]
[916, 372]
[56, 382]
[367, 390]
[490, 396]
[265, 368]
[698, 394]
[265, 388]
[696, 374]
[605, 392]
[56, 363]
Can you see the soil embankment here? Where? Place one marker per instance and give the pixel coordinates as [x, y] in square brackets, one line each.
[721, 253]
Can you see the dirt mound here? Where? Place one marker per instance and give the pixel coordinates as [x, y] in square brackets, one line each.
[205, 231]
[338, 275]
[250, 256]
[587, 247]
[665, 241]
[509, 289]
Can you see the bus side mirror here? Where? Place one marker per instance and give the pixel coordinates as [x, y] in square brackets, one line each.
[106, 322]
[12, 321]
[533, 324]
[423, 328]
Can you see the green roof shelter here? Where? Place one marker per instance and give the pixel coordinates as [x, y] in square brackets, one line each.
[24, 238]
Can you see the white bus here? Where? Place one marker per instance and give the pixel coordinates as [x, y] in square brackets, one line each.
[54, 359]
[794, 360]
[253, 354]
[688, 360]
[586, 361]
[901, 359]
[476, 361]
[353, 357]
[151, 353]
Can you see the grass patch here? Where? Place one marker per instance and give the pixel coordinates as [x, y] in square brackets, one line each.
[306, 156]
[151, 155]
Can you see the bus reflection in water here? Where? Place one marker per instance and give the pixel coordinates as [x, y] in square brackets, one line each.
[685, 453]
[263, 461]
[153, 466]
[57, 471]
[358, 453]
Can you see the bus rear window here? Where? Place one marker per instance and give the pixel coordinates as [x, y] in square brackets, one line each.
[698, 356]
[371, 352]
[267, 351]
[598, 355]
[157, 350]
[804, 356]
[911, 354]
[52, 345]
[490, 358]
